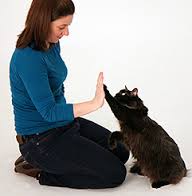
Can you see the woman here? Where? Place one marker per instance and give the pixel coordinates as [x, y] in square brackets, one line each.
[58, 147]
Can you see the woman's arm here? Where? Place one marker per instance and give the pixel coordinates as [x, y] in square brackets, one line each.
[34, 75]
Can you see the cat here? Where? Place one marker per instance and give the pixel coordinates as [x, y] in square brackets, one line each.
[156, 154]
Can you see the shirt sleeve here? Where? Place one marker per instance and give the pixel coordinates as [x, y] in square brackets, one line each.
[34, 74]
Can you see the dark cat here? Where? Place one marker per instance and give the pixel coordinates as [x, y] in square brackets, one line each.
[156, 154]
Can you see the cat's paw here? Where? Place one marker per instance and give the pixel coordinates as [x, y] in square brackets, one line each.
[159, 184]
[135, 169]
[112, 142]
[105, 88]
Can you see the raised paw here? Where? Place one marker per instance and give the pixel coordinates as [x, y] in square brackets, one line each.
[105, 88]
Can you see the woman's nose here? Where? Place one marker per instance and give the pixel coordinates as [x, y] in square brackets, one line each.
[66, 32]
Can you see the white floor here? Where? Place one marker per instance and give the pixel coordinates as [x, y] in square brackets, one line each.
[18, 184]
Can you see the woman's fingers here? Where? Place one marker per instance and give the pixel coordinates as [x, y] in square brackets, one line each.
[99, 93]
[100, 80]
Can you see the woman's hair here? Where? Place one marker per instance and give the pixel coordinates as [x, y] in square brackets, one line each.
[40, 15]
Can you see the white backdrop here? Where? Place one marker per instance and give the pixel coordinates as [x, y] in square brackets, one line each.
[142, 43]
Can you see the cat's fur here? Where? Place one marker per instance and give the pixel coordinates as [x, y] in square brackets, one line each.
[156, 154]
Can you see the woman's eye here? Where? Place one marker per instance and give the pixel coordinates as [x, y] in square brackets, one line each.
[62, 28]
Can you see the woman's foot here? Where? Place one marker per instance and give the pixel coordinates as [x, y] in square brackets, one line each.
[25, 168]
[19, 160]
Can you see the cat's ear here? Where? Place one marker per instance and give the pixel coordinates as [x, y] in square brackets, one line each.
[126, 88]
[134, 92]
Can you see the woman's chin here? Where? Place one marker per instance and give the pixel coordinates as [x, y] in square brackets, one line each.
[54, 42]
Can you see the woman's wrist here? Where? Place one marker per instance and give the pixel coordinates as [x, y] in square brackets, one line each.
[87, 107]
[94, 104]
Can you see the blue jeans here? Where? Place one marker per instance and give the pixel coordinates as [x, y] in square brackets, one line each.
[76, 156]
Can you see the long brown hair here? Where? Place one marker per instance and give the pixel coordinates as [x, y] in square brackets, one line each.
[40, 14]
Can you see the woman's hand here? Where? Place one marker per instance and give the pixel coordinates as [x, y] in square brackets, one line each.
[80, 109]
[98, 100]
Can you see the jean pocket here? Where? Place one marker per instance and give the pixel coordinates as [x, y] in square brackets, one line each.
[46, 142]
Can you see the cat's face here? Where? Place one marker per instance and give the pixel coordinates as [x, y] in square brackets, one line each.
[130, 99]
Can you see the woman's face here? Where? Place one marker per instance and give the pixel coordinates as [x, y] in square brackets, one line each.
[59, 28]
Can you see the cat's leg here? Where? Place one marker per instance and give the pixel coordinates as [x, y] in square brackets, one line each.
[115, 137]
[159, 183]
[114, 105]
[117, 109]
[136, 169]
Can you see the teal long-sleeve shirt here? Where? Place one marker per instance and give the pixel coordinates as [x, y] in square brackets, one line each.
[36, 81]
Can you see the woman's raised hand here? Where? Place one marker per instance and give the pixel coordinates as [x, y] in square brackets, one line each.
[99, 93]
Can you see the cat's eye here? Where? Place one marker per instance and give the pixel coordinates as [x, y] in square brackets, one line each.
[123, 94]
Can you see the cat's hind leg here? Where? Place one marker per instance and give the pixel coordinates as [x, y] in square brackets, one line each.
[159, 183]
[135, 169]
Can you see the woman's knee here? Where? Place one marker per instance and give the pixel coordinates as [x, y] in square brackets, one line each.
[117, 176]
[121, 175]
[121, 152]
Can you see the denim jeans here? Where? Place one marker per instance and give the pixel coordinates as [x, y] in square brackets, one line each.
[76, 156]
